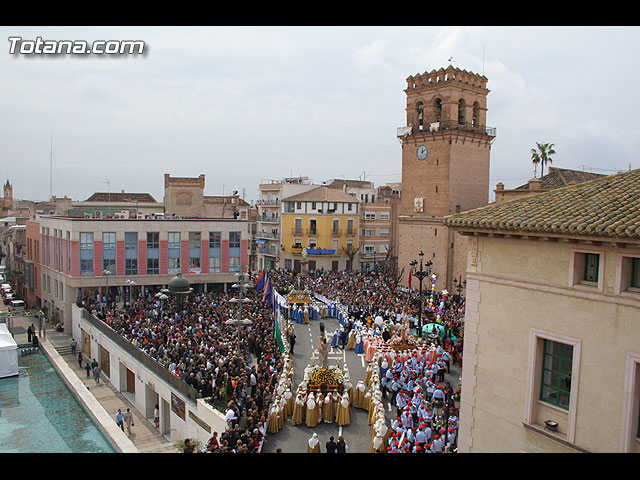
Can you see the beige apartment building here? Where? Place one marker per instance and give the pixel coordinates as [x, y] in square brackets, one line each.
[269, 217]
[552, 338]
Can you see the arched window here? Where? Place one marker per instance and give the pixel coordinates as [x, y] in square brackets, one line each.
[461, 105]
[437, 110]
[476, 114]
[420, 115]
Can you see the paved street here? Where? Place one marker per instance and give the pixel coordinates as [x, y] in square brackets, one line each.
[357, 435]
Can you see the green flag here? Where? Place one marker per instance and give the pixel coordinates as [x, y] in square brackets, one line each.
[276, 332]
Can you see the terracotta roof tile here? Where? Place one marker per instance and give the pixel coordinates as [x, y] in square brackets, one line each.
[608, 206]
[322, 194]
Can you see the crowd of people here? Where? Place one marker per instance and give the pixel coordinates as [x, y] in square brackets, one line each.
[193, 342]
[238, 373]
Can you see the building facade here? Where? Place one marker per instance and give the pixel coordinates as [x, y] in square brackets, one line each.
[184, 196]
[121, 257]
[320, 230]
[269, 219]
[552, 339]
[445, 166]
[556, 178]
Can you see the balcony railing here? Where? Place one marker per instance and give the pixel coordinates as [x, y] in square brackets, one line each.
[268, 235]
[268, 218]
[269, 202]
[446, 125]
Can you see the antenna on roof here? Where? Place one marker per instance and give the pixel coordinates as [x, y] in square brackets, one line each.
[51, 169]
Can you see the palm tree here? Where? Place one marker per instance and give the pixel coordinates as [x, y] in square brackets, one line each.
[542, 155]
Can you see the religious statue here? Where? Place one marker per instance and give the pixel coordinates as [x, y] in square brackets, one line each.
[323, 352]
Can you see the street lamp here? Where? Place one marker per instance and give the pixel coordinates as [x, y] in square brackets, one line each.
[459, 285]
[420, 274]
[241, 286]
[106, 273]
[131, 284]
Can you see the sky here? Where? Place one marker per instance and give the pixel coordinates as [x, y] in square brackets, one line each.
[247, 104]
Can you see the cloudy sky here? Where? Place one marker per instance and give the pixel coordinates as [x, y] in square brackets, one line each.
[242, 104]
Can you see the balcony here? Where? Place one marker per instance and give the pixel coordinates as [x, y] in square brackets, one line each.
[269, 202]
[444, 125]
[269, 235]
[268, 218]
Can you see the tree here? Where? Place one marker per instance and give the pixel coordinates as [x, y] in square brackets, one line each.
[542, 155]
[350, 251]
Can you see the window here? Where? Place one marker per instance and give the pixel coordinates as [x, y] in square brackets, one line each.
[109, 252]
[234, 251]
[369, 249]
[214, 264]
[350, 206]
[350, 226]
[234, 239]
[312, 226]
[68, 251]
[369, 215]
[86, 253]
[313, 205]
[214, 239]
[384, 232]
[384, 216]
[153, 253]
[215, 252]
[299, 205]
[173, 253]
[368, 232]
[635, 273]
[131, 253]
[298, 225]
[336, 226]
[194, 251]
[591, 263]
[557, 364]
[586, 268]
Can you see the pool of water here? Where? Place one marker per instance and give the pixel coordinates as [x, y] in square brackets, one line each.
[38, 413]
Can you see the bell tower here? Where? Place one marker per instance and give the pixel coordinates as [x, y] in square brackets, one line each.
[445, 166]
[7, 198]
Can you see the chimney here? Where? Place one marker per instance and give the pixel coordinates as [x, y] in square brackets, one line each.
[535, 184]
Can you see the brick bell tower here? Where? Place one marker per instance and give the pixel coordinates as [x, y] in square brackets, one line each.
[445, 168]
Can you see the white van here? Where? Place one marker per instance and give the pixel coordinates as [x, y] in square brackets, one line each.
[15, 305]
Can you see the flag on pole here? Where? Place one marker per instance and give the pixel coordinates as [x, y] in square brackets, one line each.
[268, 294]
[409, 279]
[260, 281]
[276, 331]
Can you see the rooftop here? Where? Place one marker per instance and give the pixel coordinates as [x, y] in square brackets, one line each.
[322, 194]
[121, 197]
[562, 177]
[608, 206]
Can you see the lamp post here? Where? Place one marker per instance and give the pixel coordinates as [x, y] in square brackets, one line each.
[459, 285]
[420, 274]
[106, 273]
[241, 286]
[131, 284]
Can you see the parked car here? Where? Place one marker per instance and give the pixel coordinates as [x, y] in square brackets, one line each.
[16, 305]
[8, 297]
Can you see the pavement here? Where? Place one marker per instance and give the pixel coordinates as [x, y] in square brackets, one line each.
[293, 438]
